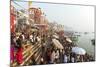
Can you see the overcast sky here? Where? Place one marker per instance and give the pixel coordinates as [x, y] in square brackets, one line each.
[79, 18]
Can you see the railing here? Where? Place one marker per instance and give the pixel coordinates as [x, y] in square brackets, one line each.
[32, 51]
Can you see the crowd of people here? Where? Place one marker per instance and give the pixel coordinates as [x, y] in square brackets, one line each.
[18, 42]
[50, 53]
[53, 55]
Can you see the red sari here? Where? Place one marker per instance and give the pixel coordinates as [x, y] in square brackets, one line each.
[19, 56]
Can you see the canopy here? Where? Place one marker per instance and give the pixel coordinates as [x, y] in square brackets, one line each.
[18, 34]
[57, 44]
[78, 50]
[41, 25]
[33, 30]
[55, 36]
[69, 40]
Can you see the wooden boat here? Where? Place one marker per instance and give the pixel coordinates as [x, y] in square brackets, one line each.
[93, 41]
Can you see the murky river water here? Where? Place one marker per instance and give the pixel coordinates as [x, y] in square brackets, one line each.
[84, 41]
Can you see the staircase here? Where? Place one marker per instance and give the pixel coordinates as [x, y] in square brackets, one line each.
[32, 51]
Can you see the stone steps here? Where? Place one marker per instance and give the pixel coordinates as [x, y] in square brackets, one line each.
[28, 53]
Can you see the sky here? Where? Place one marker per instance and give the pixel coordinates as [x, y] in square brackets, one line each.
[76, 17]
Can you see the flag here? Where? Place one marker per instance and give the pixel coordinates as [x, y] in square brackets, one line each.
[30, 3]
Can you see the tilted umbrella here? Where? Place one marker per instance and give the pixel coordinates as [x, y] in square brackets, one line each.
[57, 44]
[78, 50]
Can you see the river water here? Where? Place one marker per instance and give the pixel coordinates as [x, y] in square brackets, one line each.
[84, 41]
